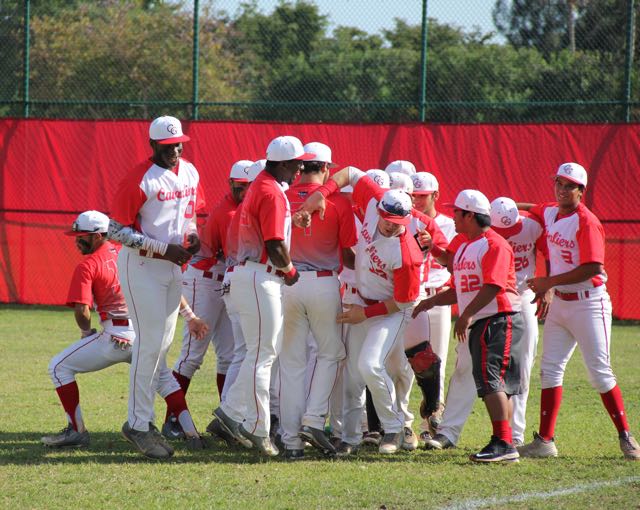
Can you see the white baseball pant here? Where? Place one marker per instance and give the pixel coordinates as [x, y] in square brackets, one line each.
[370, 344]
[152, 289]
[462, 394]
[257, 299]
[98, 351]
[311, 305]
[587, 324]
[203, 292]
[239, 346]
[529, 345]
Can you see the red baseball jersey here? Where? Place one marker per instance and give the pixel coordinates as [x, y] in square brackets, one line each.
[159, 202]
[95, 282]
[572, 240]
[214, 234]
[318, 247]
[263, 215]
[420, 221]
[386, 267]
[487, 259]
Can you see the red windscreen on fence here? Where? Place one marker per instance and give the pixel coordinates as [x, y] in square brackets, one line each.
[53, 169]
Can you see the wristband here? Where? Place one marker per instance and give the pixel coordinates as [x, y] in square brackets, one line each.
[329, 188]
[376, 310]
[187, 313]
[436, 251]
[289, 270]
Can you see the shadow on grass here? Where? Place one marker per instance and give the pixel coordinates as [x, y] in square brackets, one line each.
[23, 449]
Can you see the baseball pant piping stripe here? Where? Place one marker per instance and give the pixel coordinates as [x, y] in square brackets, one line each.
[71, 353]
[136, 343]
[507, 348]
[255, 363]
[483, 346]
[604, 330]
[193, 306]
[313, 372]
[384, 362]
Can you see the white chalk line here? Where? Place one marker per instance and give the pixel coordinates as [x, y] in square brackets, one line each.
[576, 489]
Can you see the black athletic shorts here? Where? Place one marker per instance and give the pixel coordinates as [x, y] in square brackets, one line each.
[494, 343]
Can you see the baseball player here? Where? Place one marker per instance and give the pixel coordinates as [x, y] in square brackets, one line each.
[154, 217]
[426, 192]
[95, 281]
[312, 306]
[489, 307]
[388, 262]
[580, 313]
[202, 288]
[260, 232]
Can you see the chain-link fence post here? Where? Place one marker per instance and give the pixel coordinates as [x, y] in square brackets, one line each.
[26, 63]
[629, 58]
[423, 64]
[196, 56]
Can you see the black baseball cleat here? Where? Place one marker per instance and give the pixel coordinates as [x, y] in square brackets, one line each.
[215, 428]
[293, 454]
[171, 429]
[496, 451]
[318, 439]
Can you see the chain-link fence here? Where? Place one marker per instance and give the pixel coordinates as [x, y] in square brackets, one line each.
[322, 60]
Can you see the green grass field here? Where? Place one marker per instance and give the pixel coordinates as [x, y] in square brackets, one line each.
[590, 472]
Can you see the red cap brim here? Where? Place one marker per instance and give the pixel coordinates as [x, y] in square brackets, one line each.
[422, 192]
[307, 156]
[177, 139]
[555, 176]
[77, 233]
[392, 218]
[239, 180]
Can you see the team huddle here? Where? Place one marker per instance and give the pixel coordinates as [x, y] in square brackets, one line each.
[325, 295]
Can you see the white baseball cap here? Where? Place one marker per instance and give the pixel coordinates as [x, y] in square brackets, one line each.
[286, 148]
[473, 201]
[240, 170]
[402, 166]
[400, 181]
[256, 168]
[504, 213]
[395, 206]
[574, 172]
[166, 130]
[89, 222]
[424, 183]
[380, 177]
[322, 153]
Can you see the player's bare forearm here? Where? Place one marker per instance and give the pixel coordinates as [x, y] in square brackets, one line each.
[341, 177]
[583, 272]
[348, 258]
[82, 314]
[278, 253]
[448, 297]
[484, 296]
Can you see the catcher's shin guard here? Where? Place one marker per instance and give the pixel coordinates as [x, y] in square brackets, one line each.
[426, 367]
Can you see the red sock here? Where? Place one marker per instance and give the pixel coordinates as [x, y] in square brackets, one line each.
[612, 400]
[176, 403]
[502, 430]
[183, 381]
[550, 401]
[220, 383]
[70, 398]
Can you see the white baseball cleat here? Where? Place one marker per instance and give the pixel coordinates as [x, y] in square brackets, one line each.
[409, 439]
[68, 437]
[539, 448]
[629, 446]
[438, 442]
[391, 442]
[262, 444]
